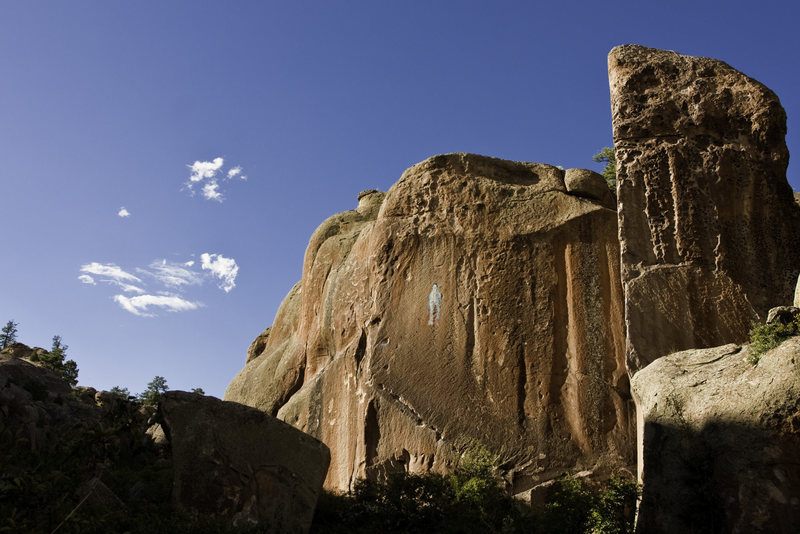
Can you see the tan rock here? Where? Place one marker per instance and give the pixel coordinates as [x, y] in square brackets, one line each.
[710, 234]
[240, 463]
[721, 441]
[518, 346]
[797, 294]
[589, 184]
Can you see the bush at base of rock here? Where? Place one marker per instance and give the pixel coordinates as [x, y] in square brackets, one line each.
[764, 337]
[408, 504]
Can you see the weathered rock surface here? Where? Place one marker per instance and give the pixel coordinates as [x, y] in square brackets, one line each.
[721, 441]
[589, 184]
[709, 230]
[520, 346]
[235, 461]
[797, 294]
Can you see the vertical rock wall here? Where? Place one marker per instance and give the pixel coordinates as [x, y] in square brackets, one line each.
[709, 230]
[523, 353]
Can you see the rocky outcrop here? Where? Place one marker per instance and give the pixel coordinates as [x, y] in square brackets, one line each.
[589, 184]
[477, 300]
[797, 294]
[709, 230]
[79, 456]
[721, 441]
[238, 462]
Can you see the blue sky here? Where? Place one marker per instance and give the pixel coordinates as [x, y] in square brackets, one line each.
[105, 105]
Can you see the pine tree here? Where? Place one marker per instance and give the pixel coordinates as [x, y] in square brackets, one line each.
[152, 393]
[608, 156]
[9, 334]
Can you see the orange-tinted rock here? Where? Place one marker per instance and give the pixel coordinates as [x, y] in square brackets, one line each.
[520, 345]
[709, 230]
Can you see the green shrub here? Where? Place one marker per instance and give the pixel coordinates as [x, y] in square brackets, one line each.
[764, 337]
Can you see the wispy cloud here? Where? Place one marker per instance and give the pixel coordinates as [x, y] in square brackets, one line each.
[225, 269]
[166, 282]
[204, 174]
[141, 304]
[109, 271]
[174, 274]
[234, 172]
[211, 192]
[129, 288]
[123, 212]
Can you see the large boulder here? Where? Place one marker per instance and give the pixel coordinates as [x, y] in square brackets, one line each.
[709, 230]
[721, 441]
[477, 301]
[238, 462]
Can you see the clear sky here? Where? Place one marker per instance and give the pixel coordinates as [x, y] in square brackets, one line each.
[125, 234]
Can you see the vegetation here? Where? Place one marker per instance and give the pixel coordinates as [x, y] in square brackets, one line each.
[607, 156]
[471, 501]
[46, 476]
[153, 392]
[121, 392]
[764, 337]
[9, 334]
[54, 359]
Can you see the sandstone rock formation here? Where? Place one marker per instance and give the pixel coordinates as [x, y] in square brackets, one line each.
[589, 184]
[709, 230]
[519, 345]
[721, 441]
[238, 462]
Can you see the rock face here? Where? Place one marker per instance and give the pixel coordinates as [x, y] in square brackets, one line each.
[477, 300]
[238, 462]
[721, 441]
[797, 294]
[709, 230]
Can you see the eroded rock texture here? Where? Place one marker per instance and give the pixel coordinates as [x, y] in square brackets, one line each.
[709, 230]
[240, 463]
[721, 441]
[522, 348]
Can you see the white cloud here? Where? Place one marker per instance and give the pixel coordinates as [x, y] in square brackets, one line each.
[86, 279]
[174, 274]
[211, 191]
[225, 269]
[109, 271]
[205, 169]
[123, 212]
[236, 171]
[204, 173]
[128, 288]
[189, 263]
[140, 305]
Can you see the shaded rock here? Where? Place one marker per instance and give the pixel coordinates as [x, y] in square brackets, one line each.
[519, 346]
[782, 314]
[238, 462]
[721, 441]
[589, 184]
[38, 382]
[95, 494]
[709, 230]
[797, 294]
[156, 433]
[258, 345]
